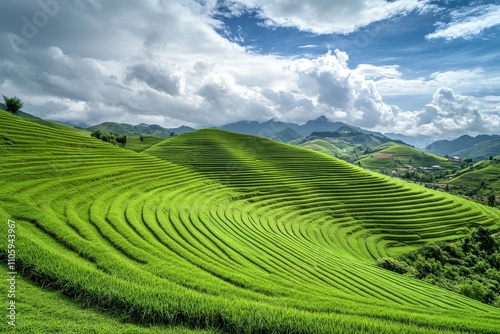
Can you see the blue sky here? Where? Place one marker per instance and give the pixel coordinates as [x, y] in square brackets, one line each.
[399, 40]
[409, 66]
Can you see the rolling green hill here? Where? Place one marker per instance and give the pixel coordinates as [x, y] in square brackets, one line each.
[326, 147]
[487, 171]
[346, 142]
[134, 143]
[51, 124]
[396, 155]
[213, 229]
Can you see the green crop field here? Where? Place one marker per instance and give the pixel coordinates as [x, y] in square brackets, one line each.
[47, 311]
[218, 231]
[134, 143]
[323, 146]
[487, 171]
[394, 155]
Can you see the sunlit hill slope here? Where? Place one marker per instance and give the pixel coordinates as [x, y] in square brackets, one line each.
[236, 233]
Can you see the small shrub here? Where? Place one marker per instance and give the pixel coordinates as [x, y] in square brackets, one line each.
[474, 290]
[395, 265]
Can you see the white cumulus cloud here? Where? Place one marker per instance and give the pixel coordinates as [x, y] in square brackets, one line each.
[468, 23]
[454, 114]
[344, 92]
[372, 71]
[165, 63]
[329, 16]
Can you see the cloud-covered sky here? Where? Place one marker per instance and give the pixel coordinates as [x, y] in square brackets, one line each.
[409, 66]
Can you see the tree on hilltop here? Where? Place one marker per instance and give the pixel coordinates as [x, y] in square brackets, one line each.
[97, 134]
[109, 137]
[13, 104]
[122, 140]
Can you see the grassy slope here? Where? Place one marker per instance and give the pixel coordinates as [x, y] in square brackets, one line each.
[55, 125]
[482, 150]
[240, 233]
[111, 127]
[41, 310]
[396, 155]
[486, 170]
[335, 146]
[134, 142]
[323, 146]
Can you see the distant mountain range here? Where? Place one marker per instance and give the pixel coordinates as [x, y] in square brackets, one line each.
[478, 148]
[269, 128]
[286, 135]
[419, 141]
[141, 129]
[352, 136]
[277, 130]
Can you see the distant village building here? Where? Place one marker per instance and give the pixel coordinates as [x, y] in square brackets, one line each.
[455, 159]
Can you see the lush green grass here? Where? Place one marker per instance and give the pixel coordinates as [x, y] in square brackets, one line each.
[323, 146]
[394, 155]
[134, 143]
[43, 310]
[57, 125]
[486, 170]
[240, 233]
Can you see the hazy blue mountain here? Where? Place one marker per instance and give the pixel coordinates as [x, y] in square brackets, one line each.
[419, 141]
[264, 129]
[478, 148]
[269, 128]
[286, 135]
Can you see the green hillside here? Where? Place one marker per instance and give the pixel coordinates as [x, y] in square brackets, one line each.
[487, 171]
[482, 150]
[346, 143]
[395, 155]
[326, 147]
[42, 310]
[213, 229]
[51, 124]
[478, 148]
[134, 143]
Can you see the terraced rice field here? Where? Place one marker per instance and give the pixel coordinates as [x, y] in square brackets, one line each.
[487, 171]
[393, 155]
[238, 233]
